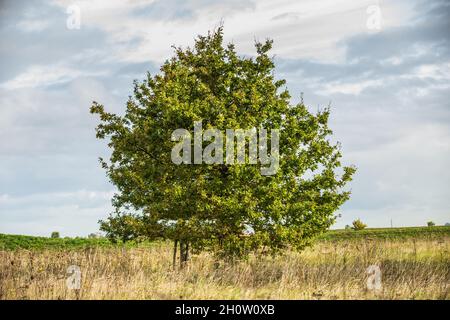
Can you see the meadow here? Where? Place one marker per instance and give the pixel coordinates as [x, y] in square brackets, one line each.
[414, 264]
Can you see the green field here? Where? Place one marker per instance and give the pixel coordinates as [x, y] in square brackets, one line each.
[405, 233]
[11, 242]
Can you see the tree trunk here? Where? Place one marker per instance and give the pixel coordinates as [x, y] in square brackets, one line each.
[184, 253]
[175, 245]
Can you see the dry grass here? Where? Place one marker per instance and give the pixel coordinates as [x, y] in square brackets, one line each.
[413, 269]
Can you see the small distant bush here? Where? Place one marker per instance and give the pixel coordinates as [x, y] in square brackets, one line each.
[94, 236]
[358, 225]
[431, 224]
[447, 224]
[347, 227]
[55, 235]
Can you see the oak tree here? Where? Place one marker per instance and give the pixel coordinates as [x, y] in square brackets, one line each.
[230, 209]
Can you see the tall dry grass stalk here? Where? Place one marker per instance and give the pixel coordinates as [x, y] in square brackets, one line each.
[417, 269]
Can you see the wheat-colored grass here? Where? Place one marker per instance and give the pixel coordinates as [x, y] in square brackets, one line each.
[413, 269]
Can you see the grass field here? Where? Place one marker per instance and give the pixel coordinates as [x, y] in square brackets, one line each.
[414, 264]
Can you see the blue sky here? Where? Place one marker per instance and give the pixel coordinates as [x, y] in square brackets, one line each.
[388, 87]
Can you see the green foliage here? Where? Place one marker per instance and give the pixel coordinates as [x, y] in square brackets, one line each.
[216, 206]
[358, 225]
[11, 242]
[431, 224]
[55, 234]
[440, 232]
[14, 242]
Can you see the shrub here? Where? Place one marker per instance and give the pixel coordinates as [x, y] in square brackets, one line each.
[431, 224]
[55, 235]
[358, 225]
[94, 236]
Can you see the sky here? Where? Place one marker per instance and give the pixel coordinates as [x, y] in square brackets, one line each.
[383, 66]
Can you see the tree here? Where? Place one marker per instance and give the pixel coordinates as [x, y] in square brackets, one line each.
[55, 234]
[230, 209]
[358, 225]
[94, 235]
[431, 224]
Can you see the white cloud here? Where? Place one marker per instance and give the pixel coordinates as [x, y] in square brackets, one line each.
[37, 122]
[301, 29]
[81, 198]
[34, 25]
[71, 213]
[405, 178]
[354, 88]
[46, 75]
[433, 71]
